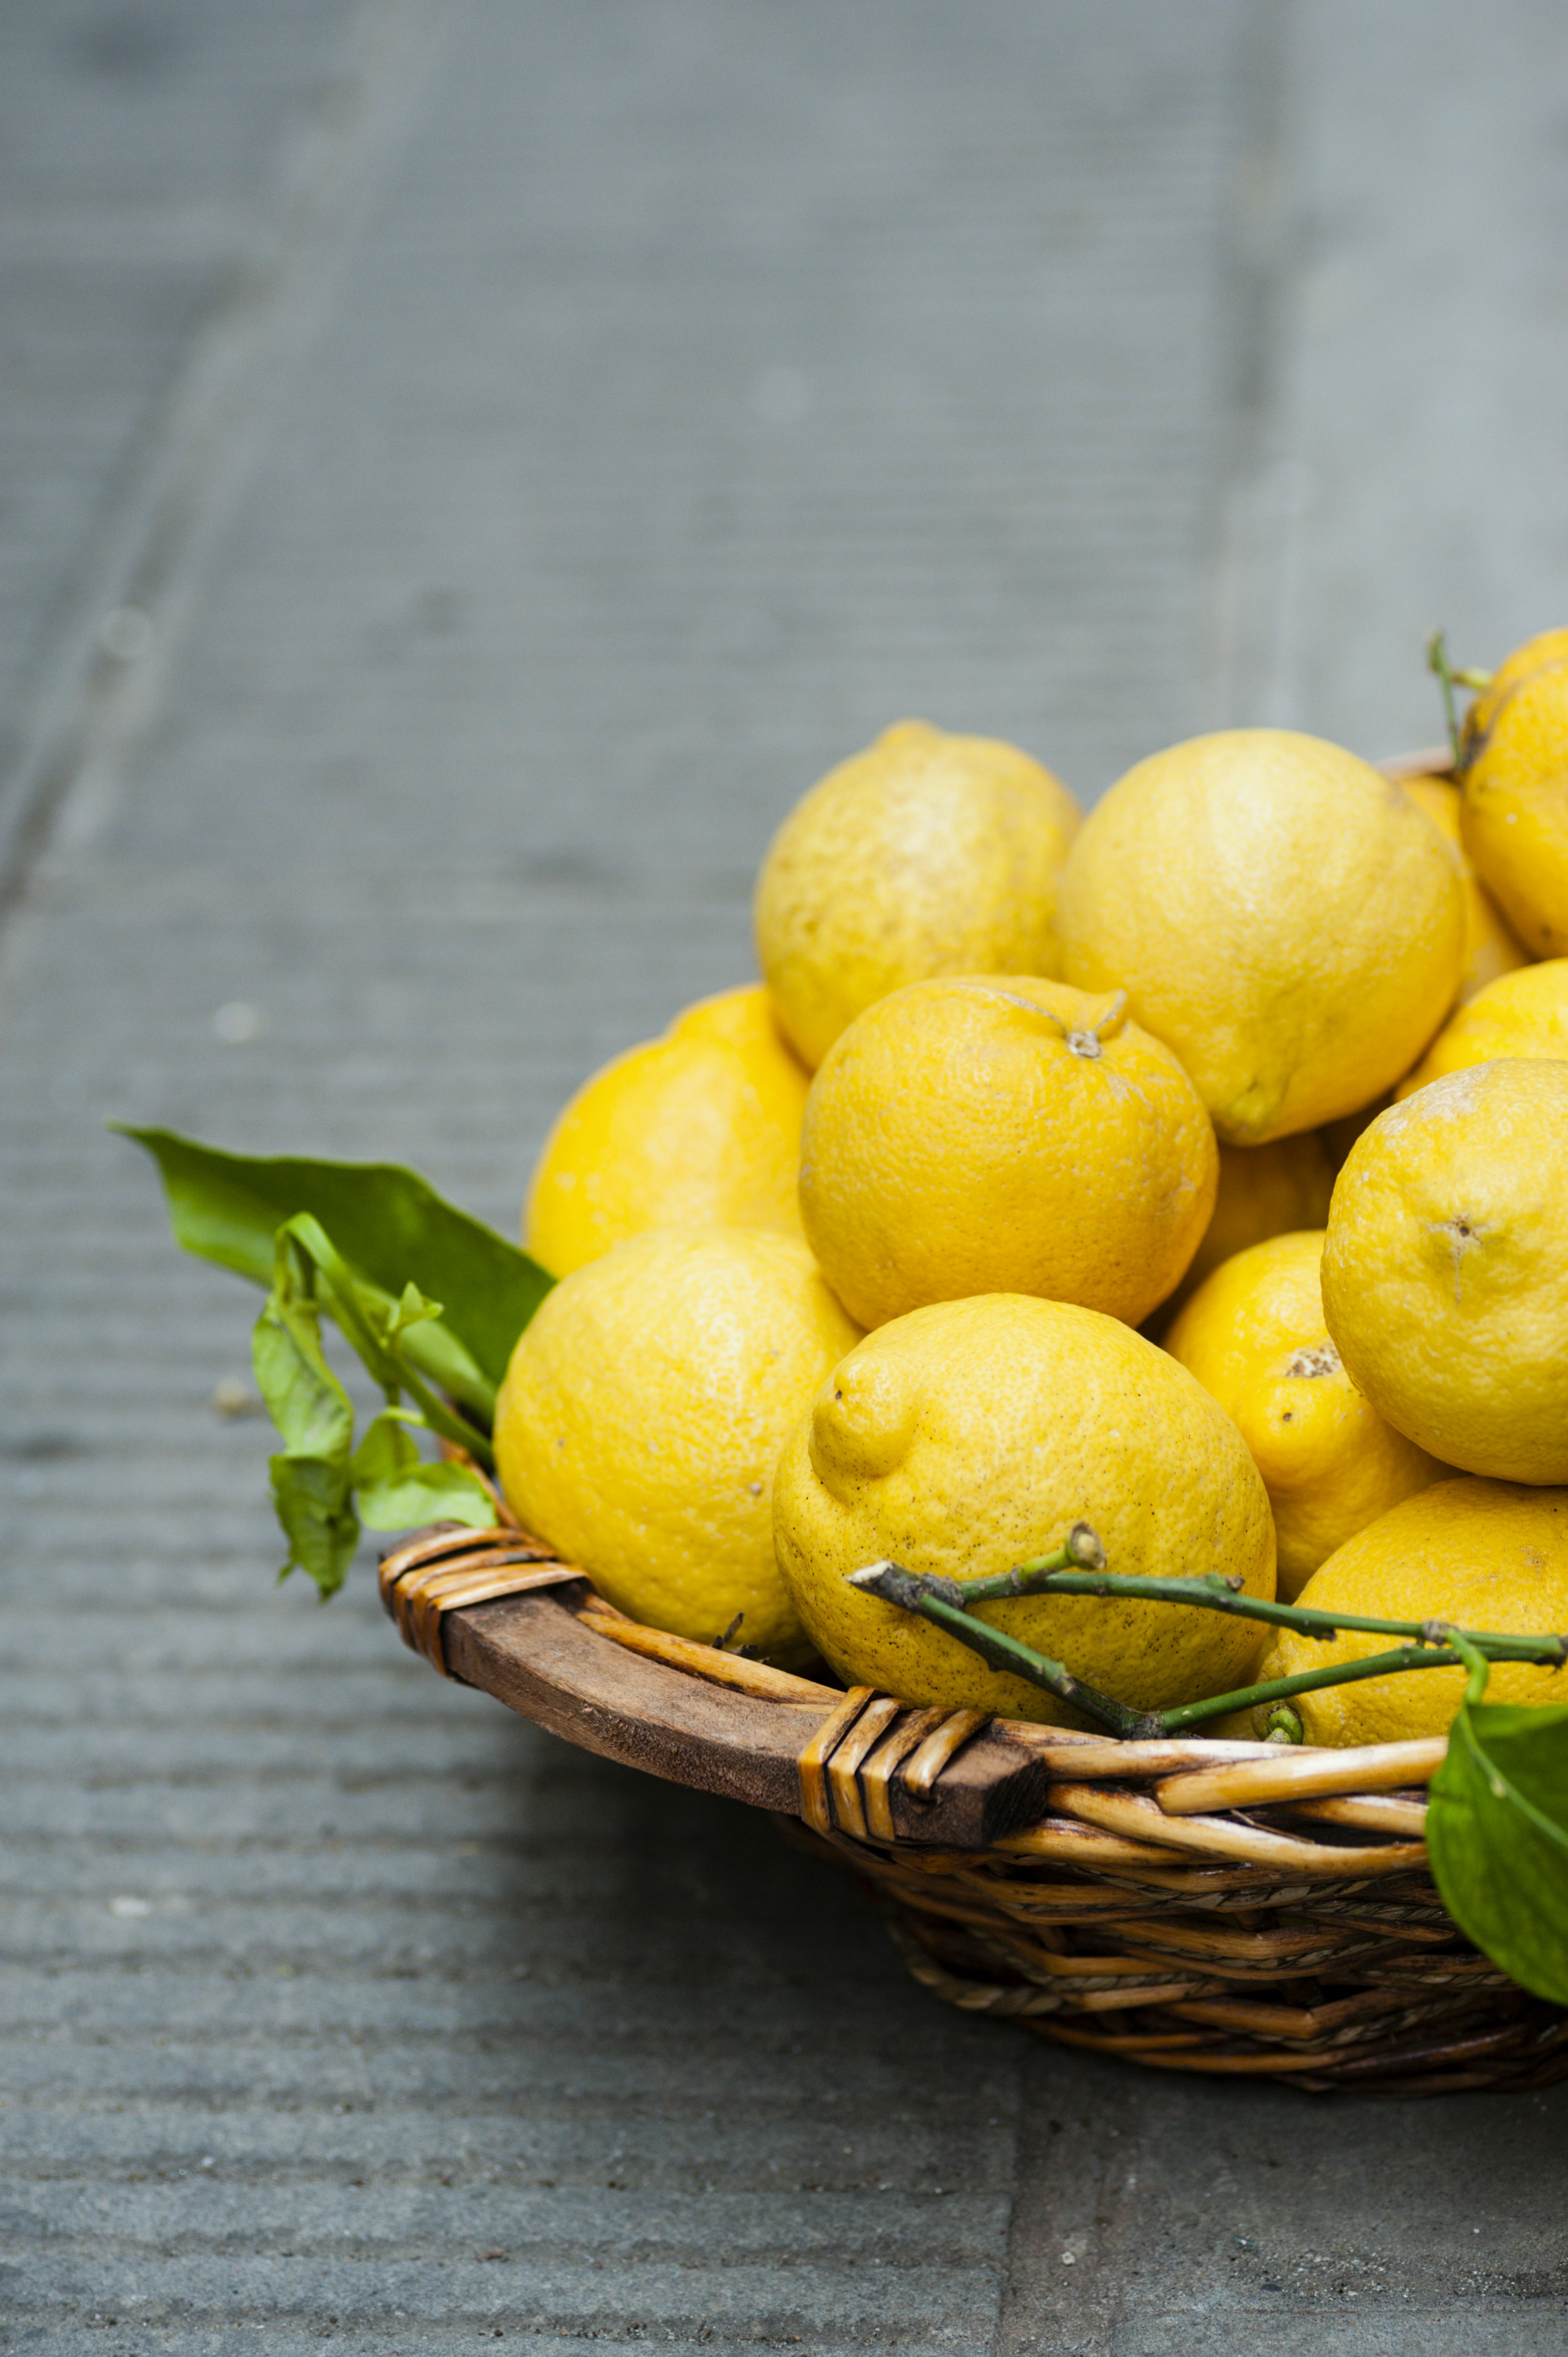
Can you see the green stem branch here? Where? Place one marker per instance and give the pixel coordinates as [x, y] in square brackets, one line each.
[1077, 1568]
[1438, 663]
[1332, 1674]
[933, 1600]
[1044, 1575]
[383, 1357]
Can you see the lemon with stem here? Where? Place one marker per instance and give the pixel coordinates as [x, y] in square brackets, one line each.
[1482, 1555]
[1445, 1268]
[962, 1439]
[1001, 1134]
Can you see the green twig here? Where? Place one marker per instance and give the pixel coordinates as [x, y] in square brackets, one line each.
[1449, 678]
[1433, 1644]
[932, 1598]
[1478, 1664]
[1213, 1593]
[1333, 1673]
[1437, 662]
[383, 1357]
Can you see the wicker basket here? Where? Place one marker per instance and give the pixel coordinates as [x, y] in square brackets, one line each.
[1221, 1907]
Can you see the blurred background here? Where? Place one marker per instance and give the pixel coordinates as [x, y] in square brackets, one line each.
[466, 468]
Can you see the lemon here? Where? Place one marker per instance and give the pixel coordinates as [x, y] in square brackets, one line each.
[1254, 1336]
[1521, 1013]
[1264, 1191]
[643, 1415]
[1445, 1269]
[1491, 945]
[1002, 1135]
[1280, 915]
[1514, 818]
[703, 1124]
[925, 855]
[967, 1437]
[1486, 1555]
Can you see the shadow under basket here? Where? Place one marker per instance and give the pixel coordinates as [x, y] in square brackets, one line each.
[1239, 1908]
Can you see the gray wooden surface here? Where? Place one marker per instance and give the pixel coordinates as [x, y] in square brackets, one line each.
[464, 469]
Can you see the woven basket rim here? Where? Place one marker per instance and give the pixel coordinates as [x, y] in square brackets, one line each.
[1236, 1909]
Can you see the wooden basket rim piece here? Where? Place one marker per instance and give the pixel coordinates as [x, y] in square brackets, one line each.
[570, 1660]
[1241, 1909]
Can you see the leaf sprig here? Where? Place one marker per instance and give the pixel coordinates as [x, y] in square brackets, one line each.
[439, 1362]
[1076, 1567]
[324, 1487]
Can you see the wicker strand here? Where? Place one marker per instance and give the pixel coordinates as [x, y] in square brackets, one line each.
[1237, 1909]
[1155, 1914]
[422, 1582]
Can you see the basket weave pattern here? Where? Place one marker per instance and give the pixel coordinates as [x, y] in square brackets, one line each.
[1233, 1909]
[1291, 1929]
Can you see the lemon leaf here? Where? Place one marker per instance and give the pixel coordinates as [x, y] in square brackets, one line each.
[396, 1231]
[1496, 1830]
[318, 1518]
[315, 1418]
[398, 1489]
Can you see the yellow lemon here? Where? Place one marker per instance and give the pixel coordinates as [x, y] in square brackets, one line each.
[1491, 945]
[1445, 1269]
[1521, 1013]
[1482, 1555]
[1254, 1336]
[703, 1124]
[967, 1437]
[1514, 819]
[642, 1416]
[1264, 1191]
[1280, 915]
[1002, 1135]
[925, 855]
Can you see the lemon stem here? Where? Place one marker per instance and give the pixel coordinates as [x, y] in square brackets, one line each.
[1449, 679]
[1438, 665]
[999, 1652]
[383, 1353]
[1082, 1043]
[1212, 1593]
[932, 1597]
[1475, 1660]
[1433, 1644]
[1343, 1674]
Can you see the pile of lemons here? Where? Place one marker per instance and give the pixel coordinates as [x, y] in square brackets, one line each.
[1198, 1169]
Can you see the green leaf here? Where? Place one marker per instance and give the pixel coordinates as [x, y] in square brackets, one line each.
[398, 1489]
[387, 1450]
[413, 1309]
[308, 1404]
[316, 1419]
[427, 1493]
[317, 1517]
[393, 1229]
[1496, 1830]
